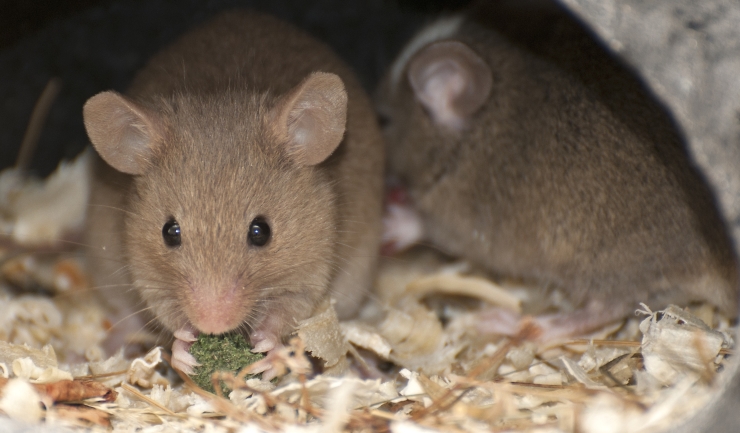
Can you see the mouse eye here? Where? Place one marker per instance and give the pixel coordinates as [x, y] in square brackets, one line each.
[171, 233]
[259, 232]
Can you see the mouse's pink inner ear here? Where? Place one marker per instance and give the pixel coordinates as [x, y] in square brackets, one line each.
[451, 81]
[310, 119]
[121, 131]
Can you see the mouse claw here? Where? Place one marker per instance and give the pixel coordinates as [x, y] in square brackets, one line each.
[272, 365]
[185, 334]
[270, 374]
[263, 342]
[260, 366]
[267, 368]
[181, 358]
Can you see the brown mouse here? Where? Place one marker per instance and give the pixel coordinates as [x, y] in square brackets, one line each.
[243, 182]
[542, 159]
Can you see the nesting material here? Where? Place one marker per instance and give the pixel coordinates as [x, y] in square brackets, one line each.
[42, 358]
[143, 371]
[413, 362]
[20, 401]
[323, 339]
[42, 213]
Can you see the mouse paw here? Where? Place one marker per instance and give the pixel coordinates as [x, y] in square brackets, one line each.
[271, 366]
[402, 228]
[548, 328]
[593, 317]
[181, 358]
[281, 359]
[264, 341]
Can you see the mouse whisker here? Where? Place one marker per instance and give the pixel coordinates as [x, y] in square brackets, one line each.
[103, 206]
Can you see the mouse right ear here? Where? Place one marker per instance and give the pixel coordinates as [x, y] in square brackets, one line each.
[451, 81]
[121, 131]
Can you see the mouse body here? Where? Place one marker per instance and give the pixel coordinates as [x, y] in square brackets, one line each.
[240, 183]
[544, 161]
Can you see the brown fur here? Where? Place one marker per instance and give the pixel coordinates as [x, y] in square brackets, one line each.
[222, 162]
[569, 176]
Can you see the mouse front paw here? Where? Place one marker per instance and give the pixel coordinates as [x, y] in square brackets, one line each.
[181, 358]
[271, 366]
[282, 359]
[264, 341]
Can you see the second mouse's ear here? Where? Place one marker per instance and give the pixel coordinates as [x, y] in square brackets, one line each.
[311, 118]
[451, 81]
[122, 132]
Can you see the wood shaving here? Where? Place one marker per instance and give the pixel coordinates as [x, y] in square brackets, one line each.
[81, 416]
[64, 390]
[143, 373]
[25, 368]
[323, 338]
[42, 358]
[460, 285]
[41, 213]
[413, 362]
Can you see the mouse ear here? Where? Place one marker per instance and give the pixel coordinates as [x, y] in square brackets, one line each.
[311, 118]
[121, 131]
[451, 81]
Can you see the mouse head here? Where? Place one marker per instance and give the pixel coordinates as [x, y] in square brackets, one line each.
[432, 103]
[230, 210]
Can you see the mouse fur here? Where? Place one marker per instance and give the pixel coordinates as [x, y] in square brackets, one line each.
[243, 117]
[535, 155]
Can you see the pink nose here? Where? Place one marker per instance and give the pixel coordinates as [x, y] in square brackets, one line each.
[216, 311]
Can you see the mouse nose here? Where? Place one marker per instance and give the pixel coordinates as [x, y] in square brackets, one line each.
[216, 311]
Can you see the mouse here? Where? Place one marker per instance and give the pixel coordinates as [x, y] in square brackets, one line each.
[239, 182]
[532, 153]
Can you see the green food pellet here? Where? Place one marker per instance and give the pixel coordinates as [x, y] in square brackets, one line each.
[225, 352]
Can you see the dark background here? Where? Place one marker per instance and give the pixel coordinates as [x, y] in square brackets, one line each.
[94, 45]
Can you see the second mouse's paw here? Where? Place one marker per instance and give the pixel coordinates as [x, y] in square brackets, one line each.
[549, 328]
[402, 226]
[181, 358]
[499, 321]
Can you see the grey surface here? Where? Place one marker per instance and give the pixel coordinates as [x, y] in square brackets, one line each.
[688, 52]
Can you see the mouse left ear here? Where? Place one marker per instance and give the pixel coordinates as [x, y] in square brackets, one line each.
[311, 118]
[451, 81]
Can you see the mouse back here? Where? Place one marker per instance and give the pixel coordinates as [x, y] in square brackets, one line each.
[547, 179]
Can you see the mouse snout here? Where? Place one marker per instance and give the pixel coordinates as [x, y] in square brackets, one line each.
[215, 311]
